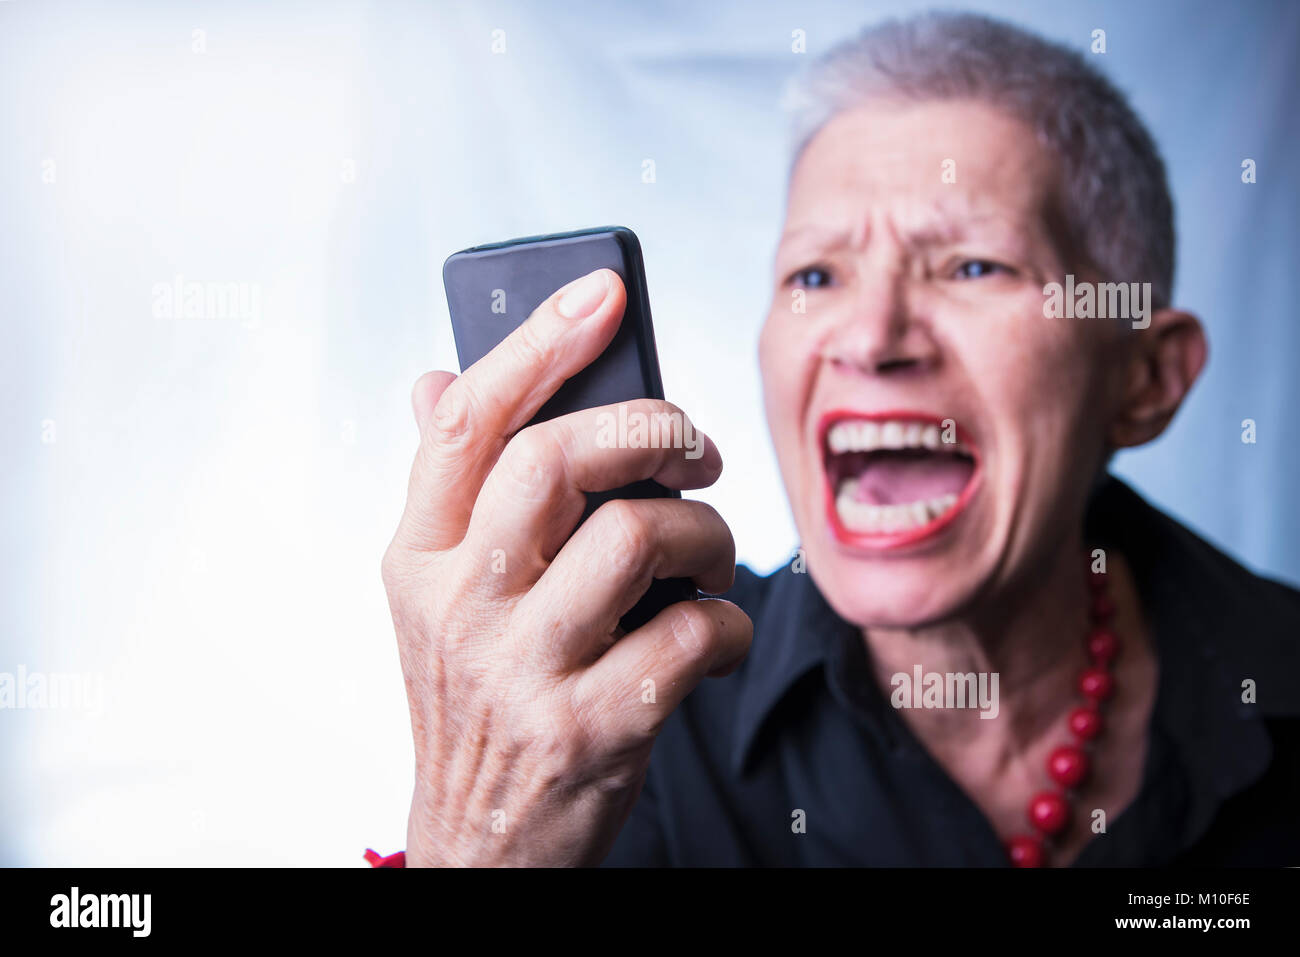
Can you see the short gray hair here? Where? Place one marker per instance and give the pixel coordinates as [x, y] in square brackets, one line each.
[1116, 198]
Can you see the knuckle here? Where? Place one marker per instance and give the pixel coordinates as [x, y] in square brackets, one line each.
[624, 775]
[658, 406]
[531, 461]
[551, 733]
[708, 515]
[632, 537]
[694, 630]
[569, 741]
[453, 414]
[667, 422]
[528, 347]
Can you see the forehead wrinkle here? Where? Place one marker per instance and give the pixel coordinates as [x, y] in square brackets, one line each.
[952, 216]
[813, 235]
[946, 221]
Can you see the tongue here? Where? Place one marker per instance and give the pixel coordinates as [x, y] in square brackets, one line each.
[899, 478]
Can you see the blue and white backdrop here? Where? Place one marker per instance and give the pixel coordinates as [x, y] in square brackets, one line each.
[194, 511]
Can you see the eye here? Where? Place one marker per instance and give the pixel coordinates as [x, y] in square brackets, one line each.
[978, 269]
[810, 277]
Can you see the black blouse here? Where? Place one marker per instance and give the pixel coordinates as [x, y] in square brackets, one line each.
[797, 759]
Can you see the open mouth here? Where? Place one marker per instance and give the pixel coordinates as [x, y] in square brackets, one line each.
[893, 478]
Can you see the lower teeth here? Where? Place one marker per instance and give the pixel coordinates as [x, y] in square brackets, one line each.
[864, 517]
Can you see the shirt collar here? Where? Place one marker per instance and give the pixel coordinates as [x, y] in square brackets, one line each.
[796, 627]
[1204, 606]
[1214, 625]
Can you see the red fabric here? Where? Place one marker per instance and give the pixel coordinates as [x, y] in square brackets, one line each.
[392, 860]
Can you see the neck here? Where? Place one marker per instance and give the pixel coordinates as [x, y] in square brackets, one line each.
[1030, 634]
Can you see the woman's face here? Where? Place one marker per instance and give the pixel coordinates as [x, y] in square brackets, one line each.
[936, 433]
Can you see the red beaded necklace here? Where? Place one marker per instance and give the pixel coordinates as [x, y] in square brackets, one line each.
[1068, 765]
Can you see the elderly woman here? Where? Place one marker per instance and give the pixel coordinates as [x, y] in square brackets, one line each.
[986, 651]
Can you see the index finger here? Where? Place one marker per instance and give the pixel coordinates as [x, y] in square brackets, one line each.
[462, 436]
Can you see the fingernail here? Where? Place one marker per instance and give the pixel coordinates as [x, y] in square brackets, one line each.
[582, 296]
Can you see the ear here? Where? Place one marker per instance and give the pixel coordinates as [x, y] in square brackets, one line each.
[1164, 360]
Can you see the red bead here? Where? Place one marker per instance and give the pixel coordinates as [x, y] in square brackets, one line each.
[1096, 683]
[1103, 645]
[1048, 812]
[1098, 582]
[1102, 606]
[1085, 723]
[1025, 851]
[1067, 766]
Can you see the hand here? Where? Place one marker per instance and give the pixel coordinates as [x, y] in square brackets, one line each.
[533, 715]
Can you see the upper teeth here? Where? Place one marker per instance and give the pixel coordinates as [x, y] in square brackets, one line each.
[864, 436]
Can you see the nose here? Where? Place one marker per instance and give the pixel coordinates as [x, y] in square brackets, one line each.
[882, 332]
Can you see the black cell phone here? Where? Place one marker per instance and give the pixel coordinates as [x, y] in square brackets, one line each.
[492, 289]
